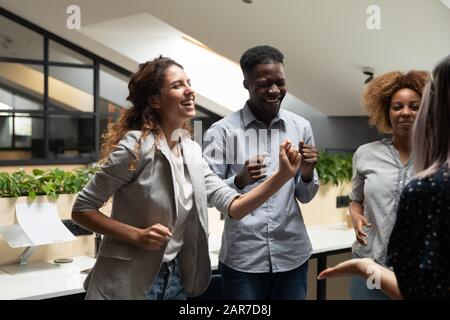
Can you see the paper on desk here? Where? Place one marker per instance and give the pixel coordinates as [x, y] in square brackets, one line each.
[15, 236]
[41, 223]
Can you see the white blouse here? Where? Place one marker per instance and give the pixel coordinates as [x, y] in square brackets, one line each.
[184, 195]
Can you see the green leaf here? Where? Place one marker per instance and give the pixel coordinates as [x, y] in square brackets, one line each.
[38, 172]
[44, 182]
[32, 195]
[334, 168]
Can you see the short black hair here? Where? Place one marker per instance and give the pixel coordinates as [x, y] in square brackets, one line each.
[260, 54]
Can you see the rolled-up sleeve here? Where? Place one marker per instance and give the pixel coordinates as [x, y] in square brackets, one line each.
[219, 194]
[357, 193]
[112, 175]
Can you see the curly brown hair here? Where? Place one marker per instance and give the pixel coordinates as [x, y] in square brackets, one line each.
[144, 84]
[378, 94]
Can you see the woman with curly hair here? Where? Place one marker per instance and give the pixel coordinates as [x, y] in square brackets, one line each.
[155, 243]
[381, 169]
[419, 249]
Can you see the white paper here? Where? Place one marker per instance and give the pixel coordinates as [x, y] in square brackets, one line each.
[15, 236]
[41, 223]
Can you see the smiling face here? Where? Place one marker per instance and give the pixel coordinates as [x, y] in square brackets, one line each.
[266, 85]
[403, 110]
[176, 100]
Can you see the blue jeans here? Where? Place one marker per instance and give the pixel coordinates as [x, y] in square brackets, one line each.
[167, 285]
[360, 291]
[289, 285]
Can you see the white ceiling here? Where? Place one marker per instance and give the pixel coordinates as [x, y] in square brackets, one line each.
[142, 37]
[326, 42]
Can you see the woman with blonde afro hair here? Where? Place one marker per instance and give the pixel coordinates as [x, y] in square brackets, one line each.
[382, 168]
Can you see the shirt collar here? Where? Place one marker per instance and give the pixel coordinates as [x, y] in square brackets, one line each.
[248, 117]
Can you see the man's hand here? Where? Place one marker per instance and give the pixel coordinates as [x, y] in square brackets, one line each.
[309, 160]
[254, 169]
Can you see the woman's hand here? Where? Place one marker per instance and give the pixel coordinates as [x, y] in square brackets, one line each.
[351, 267]
[289, 160]
[153, 237]
[381, 277]
[358, 221]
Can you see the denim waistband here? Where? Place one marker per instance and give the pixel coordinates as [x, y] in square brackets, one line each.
[170, 265]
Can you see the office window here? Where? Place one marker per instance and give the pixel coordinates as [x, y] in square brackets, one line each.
[113, 96]
[56, 99]
[61, 53]
[22, 131]
[21, 86]
[71, 89]
[21, 136]
[19, 42]
[71, 136]
[49, 111]
[113, 90]
[6, 131]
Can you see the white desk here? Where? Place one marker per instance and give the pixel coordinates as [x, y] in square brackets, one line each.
[41, 280]
[327, 240]
[330, 237]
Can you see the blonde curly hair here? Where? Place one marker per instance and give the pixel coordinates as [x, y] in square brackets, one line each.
[377, 95]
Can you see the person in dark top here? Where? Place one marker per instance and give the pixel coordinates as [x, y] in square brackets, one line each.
[419, 246]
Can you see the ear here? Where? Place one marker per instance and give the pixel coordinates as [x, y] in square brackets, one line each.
[245, 83]
[154, 102]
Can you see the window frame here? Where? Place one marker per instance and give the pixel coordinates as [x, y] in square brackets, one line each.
[46, 113]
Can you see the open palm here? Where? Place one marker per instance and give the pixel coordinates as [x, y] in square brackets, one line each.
[346, 268]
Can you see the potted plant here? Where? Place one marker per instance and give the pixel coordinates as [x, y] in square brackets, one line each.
[55, 185]
[50, 183]
[334, 168]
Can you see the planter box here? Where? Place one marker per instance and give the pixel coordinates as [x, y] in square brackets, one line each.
[83, 245]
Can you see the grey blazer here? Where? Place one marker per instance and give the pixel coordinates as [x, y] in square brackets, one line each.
[142, 198]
